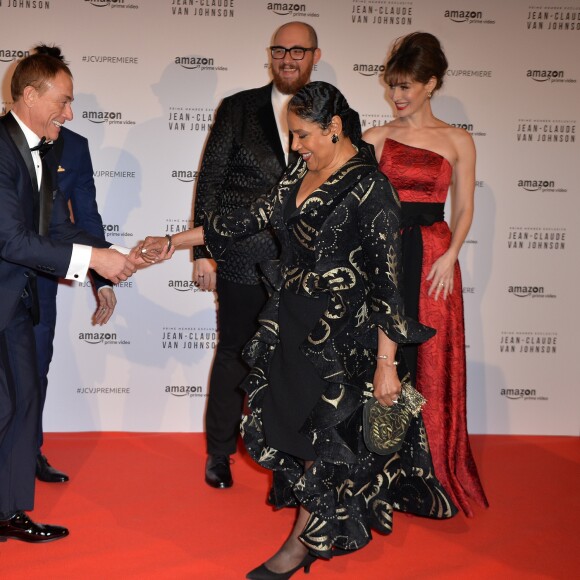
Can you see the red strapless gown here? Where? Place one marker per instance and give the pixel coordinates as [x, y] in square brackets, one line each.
[424, 176]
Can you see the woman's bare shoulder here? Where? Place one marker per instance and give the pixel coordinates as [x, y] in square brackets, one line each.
[457, 135]
[376, 136]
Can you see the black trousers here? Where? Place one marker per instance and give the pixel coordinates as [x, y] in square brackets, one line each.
[19, 408]
[238, 309]
[47, 288]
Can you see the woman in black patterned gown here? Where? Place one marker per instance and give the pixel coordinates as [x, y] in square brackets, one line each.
[328, 340]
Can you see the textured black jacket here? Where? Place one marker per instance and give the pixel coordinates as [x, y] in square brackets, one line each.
[243, 160]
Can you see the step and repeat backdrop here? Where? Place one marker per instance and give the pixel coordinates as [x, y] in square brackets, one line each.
[149, 75]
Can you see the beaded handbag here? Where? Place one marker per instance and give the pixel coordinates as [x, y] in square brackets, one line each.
[384, 428]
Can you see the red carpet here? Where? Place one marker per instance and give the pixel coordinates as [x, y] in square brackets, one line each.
[137, 507]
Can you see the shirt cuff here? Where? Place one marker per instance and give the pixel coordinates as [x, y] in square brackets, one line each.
[79, 263]
[121, 249]
[81, 258]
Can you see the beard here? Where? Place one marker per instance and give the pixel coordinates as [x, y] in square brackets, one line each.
[291, 87]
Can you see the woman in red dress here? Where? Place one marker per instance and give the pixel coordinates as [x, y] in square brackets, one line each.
[424, 158]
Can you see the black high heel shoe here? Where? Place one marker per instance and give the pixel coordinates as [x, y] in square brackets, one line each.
[263, 573]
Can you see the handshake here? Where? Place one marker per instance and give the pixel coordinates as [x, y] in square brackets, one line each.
[117, 266]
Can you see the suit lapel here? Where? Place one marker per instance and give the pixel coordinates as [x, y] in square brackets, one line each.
[46, 200]
[267, 121]
[19, 140]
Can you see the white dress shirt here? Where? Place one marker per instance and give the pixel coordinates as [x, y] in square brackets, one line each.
[280, 105]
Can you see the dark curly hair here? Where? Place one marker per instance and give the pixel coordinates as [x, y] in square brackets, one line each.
[417, 56]
[35, 70]
[319, 102]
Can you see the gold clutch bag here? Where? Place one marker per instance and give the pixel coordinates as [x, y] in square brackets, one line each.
[384, 428]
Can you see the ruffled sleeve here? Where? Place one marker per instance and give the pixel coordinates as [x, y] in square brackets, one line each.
[379, 227]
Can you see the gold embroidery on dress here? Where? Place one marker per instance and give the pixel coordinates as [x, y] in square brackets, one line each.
[352, 258]
[362, 315]
[267, 454]
[400, 324]
[310, 538]
[392, 265]
[326, 328]
[340, 278]
[335, 402]
[384, 513]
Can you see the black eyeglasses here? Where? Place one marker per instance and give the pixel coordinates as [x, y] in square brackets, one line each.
[296, 52]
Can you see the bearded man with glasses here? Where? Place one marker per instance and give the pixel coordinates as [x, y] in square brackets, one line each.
[247, 152]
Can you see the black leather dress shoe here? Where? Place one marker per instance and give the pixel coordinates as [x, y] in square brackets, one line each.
[45, 472]
[21, 527]
[217, 471]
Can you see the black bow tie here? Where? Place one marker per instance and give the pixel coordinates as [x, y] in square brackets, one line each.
[43, 147]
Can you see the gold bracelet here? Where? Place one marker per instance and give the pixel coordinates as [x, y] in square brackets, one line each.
[386, 357]
[169, 242]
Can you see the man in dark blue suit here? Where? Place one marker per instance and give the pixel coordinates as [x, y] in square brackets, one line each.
[76, 182]
[36, 235]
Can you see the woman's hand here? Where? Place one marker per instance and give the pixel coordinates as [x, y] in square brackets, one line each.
[155, 248]
[462, 202]
[441, 275]
[204, 273]
[386, 383]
